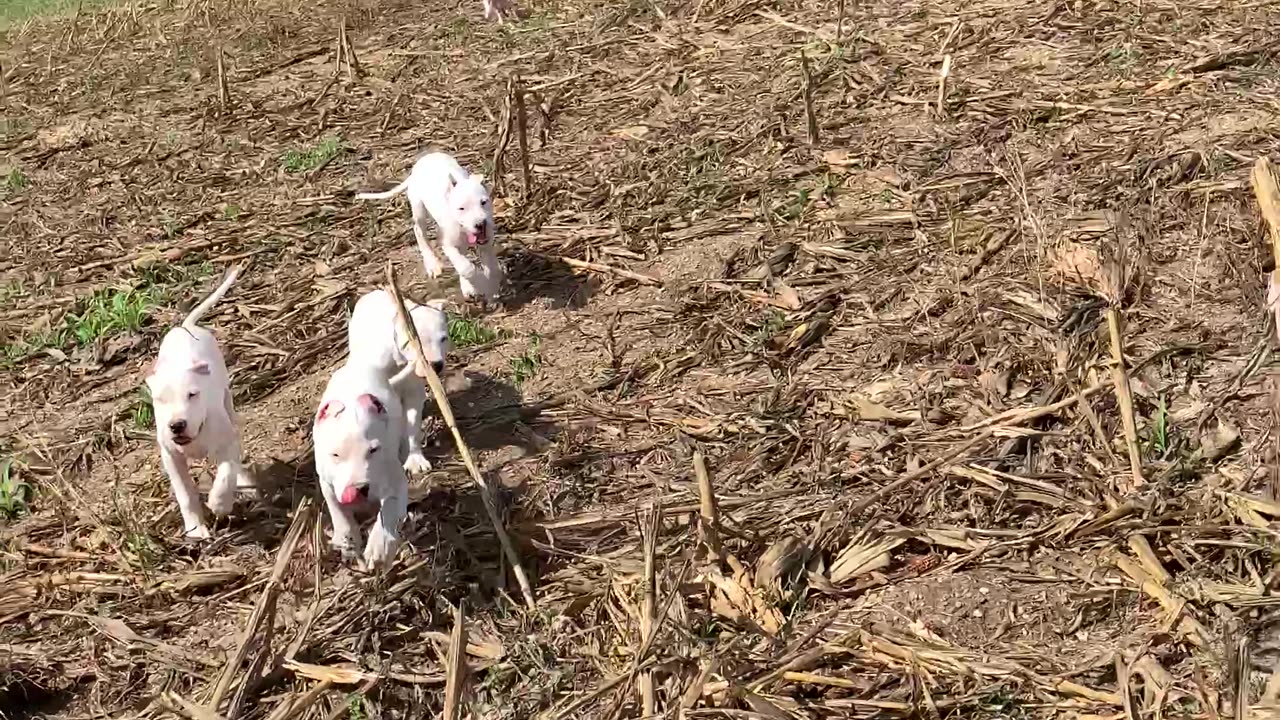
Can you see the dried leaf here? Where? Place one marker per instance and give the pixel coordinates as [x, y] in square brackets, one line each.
[861, 556]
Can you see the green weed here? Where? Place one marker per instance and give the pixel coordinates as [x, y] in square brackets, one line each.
[296, 161]
[15, 495]
[527, 364]
[16, 180]
[141, 413]
[231, 211]
[143, 551]
[465, 332]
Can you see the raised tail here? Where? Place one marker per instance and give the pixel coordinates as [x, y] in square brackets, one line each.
[385, 195]
[194, 316]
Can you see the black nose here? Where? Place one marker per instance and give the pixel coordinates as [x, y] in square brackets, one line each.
[178, 427]
[438, 366]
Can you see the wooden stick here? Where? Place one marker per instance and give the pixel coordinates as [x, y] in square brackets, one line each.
[179, 705]
[942, 86]
[840, 22]
[504, 137]
[709, 527]
[349, 50]
[4, 86]
[224, 95]
[1120, 379]
[602, 268]
[456, 667]
[424, 369]
[1268, 196]
[894, 486]
[810, 116]
[648, 611]
[300, 519]
[294, 707]
[522, 123]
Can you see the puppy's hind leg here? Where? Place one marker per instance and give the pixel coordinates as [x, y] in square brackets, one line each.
[420, 224]
[186, 493]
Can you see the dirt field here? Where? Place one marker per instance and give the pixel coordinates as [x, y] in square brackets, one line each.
[761, 256]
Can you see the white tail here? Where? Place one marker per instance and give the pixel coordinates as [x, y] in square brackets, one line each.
[385, 195]
[194, 316]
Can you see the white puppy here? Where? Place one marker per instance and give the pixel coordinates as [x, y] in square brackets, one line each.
[496, 10]
[191, 393]
[439, 188]
[375, 338]
[361, 447]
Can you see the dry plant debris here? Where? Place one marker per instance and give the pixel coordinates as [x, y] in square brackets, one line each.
[861, 359]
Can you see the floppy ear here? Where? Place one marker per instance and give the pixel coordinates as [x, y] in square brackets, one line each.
[372, 404]
[478, 178]
[329, 409]
[200, 368]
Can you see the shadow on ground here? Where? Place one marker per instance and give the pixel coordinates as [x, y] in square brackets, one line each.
[533, 276]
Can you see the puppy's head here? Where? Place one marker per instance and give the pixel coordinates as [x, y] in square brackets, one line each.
[354, 441]
[433, 330]
[180, 394]
[472, 209]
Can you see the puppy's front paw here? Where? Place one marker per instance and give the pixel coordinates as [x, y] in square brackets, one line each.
[433, 269]
[380, 551]
[346, 545]
[417, 463]
[222, 501]
[199, 532]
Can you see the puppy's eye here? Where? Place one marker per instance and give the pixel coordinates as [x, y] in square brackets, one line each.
[373, 449]
[192, 394]
[462, 209]
[484, 202]
[334, 456]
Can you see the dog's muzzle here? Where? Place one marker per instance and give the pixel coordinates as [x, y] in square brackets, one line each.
[354, 494]
[478, 236]
[178, 428]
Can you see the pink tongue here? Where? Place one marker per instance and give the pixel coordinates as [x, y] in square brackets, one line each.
[350, 495]
[472, 239]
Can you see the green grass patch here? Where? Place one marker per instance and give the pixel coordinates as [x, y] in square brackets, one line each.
[141, 413]
[15, 495]
[16, 11]
[16, 181]
[528, 363]
[465, 332]
[296, 161]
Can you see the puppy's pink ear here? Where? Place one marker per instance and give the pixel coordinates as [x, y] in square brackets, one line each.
[200, 368]
[372, 404]
[330, 409]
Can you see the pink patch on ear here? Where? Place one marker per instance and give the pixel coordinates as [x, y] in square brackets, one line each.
[372, 404]
[331, 408]
[200, 368]
[350, 495]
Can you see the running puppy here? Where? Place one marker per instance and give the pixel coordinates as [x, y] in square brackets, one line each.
[439, 188]
[376, 339]
[496, 10]
[361, 448]
[191, 393]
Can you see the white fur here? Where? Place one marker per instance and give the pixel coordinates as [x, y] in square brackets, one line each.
[361, 447]
[496, 10]
[376, 339]
[189, 385]
[439, 188]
